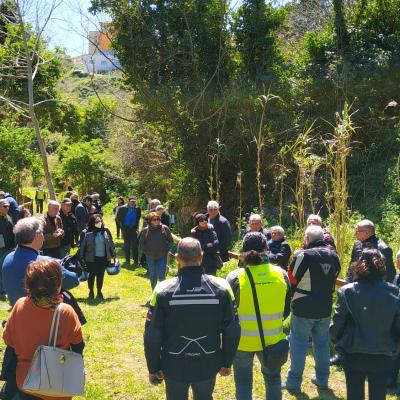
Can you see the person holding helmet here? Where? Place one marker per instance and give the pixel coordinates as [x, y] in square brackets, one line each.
[96, 249]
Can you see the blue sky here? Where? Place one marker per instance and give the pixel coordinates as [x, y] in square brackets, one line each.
[70, 23]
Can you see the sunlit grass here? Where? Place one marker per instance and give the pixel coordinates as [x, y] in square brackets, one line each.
[115, 363]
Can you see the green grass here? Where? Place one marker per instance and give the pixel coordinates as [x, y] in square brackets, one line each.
[114, 359]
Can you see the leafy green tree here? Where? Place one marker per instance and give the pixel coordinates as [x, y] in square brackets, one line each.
[85, 163]
[255, 29]
[96, 117]
[18, 156]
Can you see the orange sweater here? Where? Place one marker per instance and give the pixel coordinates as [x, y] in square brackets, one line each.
[29, 327]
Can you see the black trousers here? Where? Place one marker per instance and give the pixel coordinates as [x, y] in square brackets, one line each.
[118, 226]
[96, 271]
[395, 372]
[202, 390]
[130, 244]
[359, 367]
[39, 206]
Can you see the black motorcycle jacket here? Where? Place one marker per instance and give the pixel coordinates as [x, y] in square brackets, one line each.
[192, 328]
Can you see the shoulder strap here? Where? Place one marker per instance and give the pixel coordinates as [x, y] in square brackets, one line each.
[54, 325]
[256, 307]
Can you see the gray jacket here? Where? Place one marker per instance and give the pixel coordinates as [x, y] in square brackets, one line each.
[155, 242]
[88, 246]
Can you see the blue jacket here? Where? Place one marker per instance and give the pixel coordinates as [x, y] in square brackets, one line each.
[14, 208]
[14, 269]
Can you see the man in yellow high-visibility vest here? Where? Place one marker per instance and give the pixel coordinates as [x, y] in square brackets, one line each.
[274, 296]
[40, 197]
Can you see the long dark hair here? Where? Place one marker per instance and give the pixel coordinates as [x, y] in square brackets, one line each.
[370, 267]
[92, 221]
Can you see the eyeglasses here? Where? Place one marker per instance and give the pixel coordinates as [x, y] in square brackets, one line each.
[212, 209]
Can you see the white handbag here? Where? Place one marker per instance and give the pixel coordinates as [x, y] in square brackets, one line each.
[53, 371]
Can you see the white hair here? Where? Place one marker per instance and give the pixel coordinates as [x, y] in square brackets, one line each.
[278, 228]
[155, 203]
[255, 217]
[53, 203]
[212, 204]
[314, 217]
[314, 233]
[25, 229]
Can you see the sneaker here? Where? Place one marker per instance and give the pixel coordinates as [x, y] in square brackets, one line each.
[320, 387]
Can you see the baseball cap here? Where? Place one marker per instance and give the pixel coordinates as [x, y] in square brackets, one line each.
[132, 198]
[66, 201]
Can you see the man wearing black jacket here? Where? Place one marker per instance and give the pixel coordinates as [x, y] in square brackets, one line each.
[222, 228]
[70, 227]
[192, 329]
[366, 239]
[279, 249]
[312, 273]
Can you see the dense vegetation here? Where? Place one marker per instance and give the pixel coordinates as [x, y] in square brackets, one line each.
[236, 104]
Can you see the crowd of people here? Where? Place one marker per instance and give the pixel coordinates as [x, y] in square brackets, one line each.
[199, 325]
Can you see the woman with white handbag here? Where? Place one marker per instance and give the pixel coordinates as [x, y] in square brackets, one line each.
[46, 336]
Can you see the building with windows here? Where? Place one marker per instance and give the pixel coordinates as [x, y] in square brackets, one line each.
[100, 57]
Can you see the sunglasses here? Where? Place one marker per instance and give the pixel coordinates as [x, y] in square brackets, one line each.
[156, 219]
[6, 206]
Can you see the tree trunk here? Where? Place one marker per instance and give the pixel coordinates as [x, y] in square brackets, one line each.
[32, 112]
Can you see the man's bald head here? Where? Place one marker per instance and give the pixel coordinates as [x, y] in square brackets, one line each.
[189, 252]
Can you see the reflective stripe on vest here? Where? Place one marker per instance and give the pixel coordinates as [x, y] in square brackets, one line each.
[271, 289]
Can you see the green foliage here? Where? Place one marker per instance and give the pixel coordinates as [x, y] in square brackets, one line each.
[85, 163]
[96, 117]
[18, 155]
[255, 30]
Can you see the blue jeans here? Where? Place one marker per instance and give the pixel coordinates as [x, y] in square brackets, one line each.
[243, 374]
[157, 269]
[300, 331]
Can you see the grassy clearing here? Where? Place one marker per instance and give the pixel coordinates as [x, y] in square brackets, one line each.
[115, 364]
